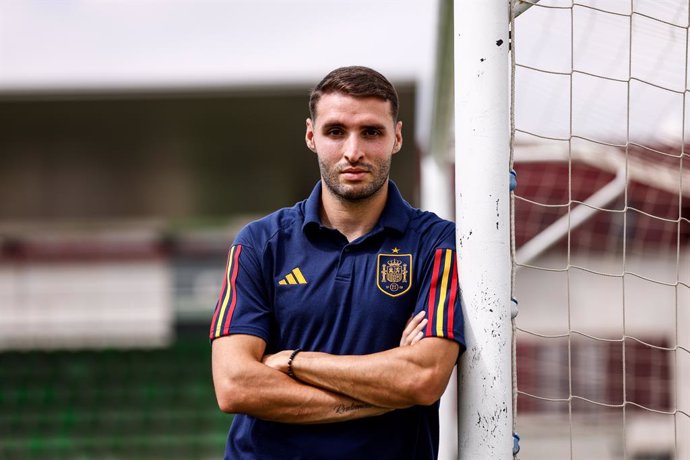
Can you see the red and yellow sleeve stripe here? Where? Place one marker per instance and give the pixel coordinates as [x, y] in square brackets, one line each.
[225, 307]
[442, 294]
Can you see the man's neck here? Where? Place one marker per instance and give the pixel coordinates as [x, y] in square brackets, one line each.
[352, 218]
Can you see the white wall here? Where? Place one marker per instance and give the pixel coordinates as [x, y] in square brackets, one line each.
[85, 304]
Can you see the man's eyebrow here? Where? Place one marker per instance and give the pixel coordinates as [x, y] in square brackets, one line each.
[375, 126]
[338, 124]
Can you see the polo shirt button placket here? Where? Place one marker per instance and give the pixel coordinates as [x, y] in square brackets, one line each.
[345, 264]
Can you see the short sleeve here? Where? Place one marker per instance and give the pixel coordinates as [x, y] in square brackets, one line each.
[440, 293]
[241, 307]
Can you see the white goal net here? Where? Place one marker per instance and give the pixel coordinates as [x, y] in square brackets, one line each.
[601, 138]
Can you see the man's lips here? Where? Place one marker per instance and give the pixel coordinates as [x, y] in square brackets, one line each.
[354, 173]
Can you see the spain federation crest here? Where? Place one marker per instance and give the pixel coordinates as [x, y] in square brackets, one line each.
[394, 275]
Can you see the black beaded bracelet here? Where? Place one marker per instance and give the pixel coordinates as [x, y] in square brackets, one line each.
[290, 359]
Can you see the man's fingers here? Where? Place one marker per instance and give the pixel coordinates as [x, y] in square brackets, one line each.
[413, 328]
[412, 323]
[417, 333]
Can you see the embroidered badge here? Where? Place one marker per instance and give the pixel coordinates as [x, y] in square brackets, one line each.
[394, 273]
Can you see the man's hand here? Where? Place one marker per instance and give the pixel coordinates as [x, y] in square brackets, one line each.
[278, 361]
[414, 331]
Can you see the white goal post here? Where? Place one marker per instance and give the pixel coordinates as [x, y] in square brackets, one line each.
[482, 163]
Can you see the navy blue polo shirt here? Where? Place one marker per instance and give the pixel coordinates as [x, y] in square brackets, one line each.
[298, 284]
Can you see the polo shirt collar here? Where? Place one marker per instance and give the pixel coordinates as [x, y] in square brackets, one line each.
[395, 215]
[312, 208]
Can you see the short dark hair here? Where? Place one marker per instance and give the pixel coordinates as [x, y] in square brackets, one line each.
[355, 81]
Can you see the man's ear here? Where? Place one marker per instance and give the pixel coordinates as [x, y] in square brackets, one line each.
[398, 137]
[309, 135]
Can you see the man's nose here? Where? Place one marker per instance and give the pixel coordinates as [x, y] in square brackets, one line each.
[353, 149]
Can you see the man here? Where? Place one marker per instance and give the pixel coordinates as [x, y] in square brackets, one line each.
[317, 334]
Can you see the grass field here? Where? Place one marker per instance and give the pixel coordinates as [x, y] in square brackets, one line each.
[111, 404]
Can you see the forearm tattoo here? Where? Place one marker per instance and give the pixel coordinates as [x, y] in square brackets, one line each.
[345, 408]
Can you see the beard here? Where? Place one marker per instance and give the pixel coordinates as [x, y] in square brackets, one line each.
[378, 173]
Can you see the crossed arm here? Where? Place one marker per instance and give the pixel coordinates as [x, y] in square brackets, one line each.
[330, 388]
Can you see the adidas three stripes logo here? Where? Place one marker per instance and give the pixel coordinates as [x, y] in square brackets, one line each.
[294, 277]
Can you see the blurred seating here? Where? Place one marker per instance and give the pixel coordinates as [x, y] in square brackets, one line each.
[111, 404]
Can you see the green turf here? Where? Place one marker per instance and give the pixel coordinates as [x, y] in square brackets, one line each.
[113, 404]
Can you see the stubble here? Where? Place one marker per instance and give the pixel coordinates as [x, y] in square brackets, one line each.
[379, 170]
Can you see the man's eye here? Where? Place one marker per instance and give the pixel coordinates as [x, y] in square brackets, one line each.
[372, 132]
[335, 132]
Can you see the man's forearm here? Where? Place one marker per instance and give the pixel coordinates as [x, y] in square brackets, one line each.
[244, 385]
[280, 398]
[396, 378]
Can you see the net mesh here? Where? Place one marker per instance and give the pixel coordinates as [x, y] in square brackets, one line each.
[602, 229]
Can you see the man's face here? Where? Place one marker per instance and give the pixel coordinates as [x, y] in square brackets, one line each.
[354, 140]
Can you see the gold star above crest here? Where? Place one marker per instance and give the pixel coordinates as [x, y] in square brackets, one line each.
[396, 250]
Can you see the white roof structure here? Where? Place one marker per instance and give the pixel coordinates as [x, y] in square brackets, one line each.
[139, 44]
